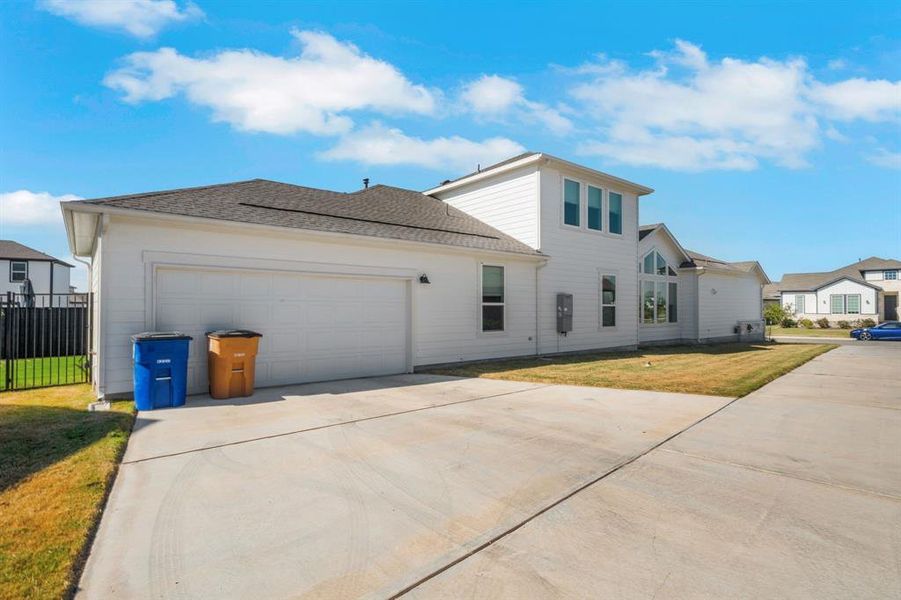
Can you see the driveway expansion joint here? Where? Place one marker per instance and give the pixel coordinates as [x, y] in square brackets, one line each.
[329, 425]
[581, 488]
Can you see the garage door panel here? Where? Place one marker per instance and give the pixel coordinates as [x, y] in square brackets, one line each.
[314, 327]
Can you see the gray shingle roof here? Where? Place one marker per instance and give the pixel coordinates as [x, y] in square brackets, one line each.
[809, 282]
[646, 230]
[702, 260]
[379, 211]
[16, 251]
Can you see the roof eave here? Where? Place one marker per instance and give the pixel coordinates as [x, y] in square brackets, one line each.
[540, 157]
[129, 212]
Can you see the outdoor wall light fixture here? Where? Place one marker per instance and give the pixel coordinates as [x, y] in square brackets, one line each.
[424, 279]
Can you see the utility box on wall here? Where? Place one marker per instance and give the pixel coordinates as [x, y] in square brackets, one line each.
[564, 313]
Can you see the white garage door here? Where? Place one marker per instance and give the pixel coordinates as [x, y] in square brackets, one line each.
[314, 327]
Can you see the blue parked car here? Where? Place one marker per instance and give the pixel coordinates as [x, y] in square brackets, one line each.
[890, 330]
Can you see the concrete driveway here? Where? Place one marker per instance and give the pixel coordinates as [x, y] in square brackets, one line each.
[438, 487]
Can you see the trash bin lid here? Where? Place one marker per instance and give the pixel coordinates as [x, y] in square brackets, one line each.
[159, 336]
[233, 333]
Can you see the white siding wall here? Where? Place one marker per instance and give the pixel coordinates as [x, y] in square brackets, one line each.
[39, 274]
[508, 203]
[61, 275]
[446, 313]
[810, 302]
[868, 305]
[737, 298]
[577, 259]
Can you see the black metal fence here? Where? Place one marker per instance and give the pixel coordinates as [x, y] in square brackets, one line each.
[45, 340]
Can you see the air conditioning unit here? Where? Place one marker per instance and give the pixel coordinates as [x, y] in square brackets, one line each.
[751, 330]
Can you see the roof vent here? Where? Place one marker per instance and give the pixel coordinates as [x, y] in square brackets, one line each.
[365, 183]
[445, 182]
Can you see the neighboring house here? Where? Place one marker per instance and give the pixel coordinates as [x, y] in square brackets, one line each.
[689, 297]
[46, 273]
[865, 289]
[378, 281]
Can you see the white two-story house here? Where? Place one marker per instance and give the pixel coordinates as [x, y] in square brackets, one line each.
[533, 255]
[867, 289]
[47, 274]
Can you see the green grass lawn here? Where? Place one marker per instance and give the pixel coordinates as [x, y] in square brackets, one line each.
[37, 372]
[802, 332]
[719, 370]
[56, 463]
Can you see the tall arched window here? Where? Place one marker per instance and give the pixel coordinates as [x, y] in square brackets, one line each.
[658, 303]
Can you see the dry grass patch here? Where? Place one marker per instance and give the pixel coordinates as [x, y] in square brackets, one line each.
[719, 370]
[56, 462]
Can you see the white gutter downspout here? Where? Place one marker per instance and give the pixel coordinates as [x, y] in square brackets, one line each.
[537, 310]
[698, 305]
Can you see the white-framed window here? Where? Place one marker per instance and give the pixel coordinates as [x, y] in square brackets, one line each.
[18, 271]
[799, 304]
[890, 275]
[572, 202]
[659, 297]
[837, 304]
[492, 289]
[608, 300]
[852, 302]
[673, 310]
[615, 212]
[595, 208]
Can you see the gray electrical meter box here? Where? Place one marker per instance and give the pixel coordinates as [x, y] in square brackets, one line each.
[564, 313]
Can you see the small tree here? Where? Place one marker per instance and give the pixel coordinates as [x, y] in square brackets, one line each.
[774, 314]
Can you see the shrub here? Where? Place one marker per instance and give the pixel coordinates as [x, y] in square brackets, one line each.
[844, 325]
[805, 323]
[823, 323]
[867, 323]
[774, 313]
[788, 323]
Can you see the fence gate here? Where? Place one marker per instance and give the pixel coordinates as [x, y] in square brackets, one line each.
[45, 340]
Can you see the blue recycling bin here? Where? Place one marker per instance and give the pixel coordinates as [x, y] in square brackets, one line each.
[161, 369]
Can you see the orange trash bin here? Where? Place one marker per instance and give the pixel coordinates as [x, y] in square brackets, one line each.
[232, 362]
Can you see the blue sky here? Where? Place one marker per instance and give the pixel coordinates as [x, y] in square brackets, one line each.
[769, 130]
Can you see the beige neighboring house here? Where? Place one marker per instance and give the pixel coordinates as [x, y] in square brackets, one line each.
[866, 289]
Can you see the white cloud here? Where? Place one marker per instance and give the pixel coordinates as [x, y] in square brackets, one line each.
[23, 207]
[140, 18]
[253, 91]
[885, 158]
[380, 145]
[868, 100]
[690, 113]
[837, 64]
[494, 97]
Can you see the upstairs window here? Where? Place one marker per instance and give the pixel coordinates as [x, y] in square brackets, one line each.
[891, 275]
[615, 209]
[595, 212]
[649, 263]
[572, 202]
[492, 298]
[661, 265]
[18, 271]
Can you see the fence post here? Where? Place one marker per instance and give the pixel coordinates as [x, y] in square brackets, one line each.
[7, 342]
